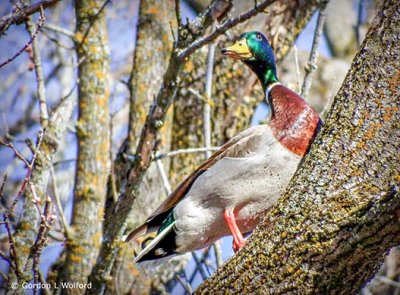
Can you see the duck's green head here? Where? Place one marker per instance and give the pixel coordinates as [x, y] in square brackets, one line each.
[254, 50]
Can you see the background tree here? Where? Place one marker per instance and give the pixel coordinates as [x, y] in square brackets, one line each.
[65, 214]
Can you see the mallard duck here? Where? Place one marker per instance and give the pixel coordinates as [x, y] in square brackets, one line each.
[228, 193]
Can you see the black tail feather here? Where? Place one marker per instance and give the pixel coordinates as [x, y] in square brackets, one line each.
[165, 247]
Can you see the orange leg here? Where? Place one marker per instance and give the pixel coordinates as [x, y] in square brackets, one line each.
[238, 240]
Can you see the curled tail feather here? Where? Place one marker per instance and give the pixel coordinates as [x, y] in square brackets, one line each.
[140, 231]
[162, 245]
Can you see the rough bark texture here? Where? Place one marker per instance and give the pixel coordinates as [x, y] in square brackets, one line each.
[152, 51]
[93, 143]
[330, 231]
[27, 228]
[234, 95]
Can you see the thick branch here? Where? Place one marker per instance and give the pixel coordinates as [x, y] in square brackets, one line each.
[114, 229]
[93, 166]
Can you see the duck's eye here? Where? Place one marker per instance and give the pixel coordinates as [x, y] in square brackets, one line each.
[258, 37]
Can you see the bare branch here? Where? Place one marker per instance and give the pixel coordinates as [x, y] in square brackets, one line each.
[17, 154]
[33, 36]
[60, 210]
[184, 284]
[6, 215]
[207, 123]
[225, 26]
[199, 265]
[312, 62]
[18, 16]
[296, 59]
[164, 176]
[207, 105]
[178, 19]
[60, 30]
[186, 151]
[37, 61]
[41, 239]
[359, 21]
[13, 253]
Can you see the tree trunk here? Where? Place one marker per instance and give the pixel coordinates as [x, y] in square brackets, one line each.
[152, 52]
[340, 214]
[93, 143]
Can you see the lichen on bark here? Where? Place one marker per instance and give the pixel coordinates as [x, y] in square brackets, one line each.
[93, 143]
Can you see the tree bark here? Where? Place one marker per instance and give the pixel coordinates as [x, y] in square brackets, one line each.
[26, 231]
[152, 51]
[340, 214]
[93, 143]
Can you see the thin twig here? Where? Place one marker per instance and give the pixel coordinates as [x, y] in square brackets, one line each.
[329, 100]
[199, 267]
[93, 20]
[42, 280]
[57, 41]
[60, 30]
[228, 24]
[41, 239]
[178, 18]
[6, 215]
[185, 151]
[62, 218]
[13, 251]
[218, 253]
[5, 177]
[17, 154]
[359, 21]
[33, 36]
[208, 90]
[312, 61]
[28, 174]
[18, 16]
[296, 59]
[112, 168]
[41, 90]
[184, 284]
[4, 276]
[207, 121]
[164, 176]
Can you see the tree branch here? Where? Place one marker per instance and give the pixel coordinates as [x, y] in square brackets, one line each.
[33, 36]
[60, 30]
[18, 16]
[185, 151]
[312, 62]
[37, 61]
[114, 229]
[225, 26]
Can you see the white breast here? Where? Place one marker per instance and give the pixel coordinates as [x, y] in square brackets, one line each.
[251, 184]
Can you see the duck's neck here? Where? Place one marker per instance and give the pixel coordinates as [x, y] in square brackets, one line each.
[268, 78]
[266, 73]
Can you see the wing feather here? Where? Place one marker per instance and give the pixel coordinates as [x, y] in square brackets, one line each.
[242, 145]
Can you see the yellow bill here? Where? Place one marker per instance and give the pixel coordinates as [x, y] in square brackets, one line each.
[239, 50]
